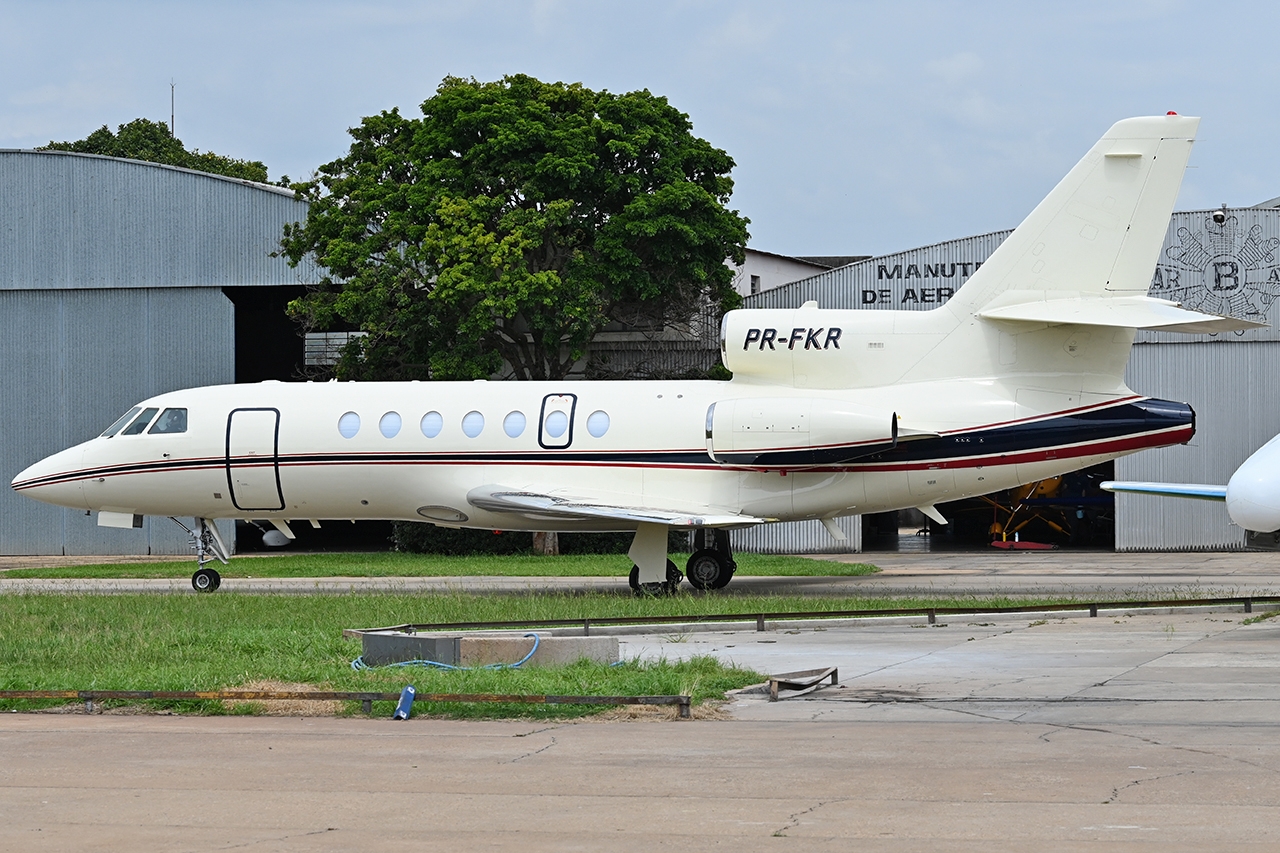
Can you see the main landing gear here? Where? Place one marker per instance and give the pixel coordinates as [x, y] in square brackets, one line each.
[208, 545]
[711, 566]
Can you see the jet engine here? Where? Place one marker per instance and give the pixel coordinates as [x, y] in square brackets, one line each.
[791, 432]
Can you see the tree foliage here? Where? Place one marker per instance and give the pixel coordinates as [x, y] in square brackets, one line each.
[143, 139]
[511, 223]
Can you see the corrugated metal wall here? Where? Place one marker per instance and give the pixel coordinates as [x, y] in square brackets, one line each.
[81, 221]
[74, 361]
[110, 277]
[799, 537]
[1232, 386]
[917, 279]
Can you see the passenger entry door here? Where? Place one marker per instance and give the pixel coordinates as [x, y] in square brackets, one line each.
[253, 459]
[555, 423]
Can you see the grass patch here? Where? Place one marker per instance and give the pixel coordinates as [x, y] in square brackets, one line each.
[392, 564]
[160, 642]
[181, 642]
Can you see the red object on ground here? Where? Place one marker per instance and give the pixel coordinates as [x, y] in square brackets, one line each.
[1023, 546]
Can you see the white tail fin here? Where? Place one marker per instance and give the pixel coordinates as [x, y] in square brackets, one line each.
[1100, 230]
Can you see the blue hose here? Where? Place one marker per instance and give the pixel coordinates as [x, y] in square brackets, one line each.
[358, 664]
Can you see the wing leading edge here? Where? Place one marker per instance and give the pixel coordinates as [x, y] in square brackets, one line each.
[541, 507]
[1195, 491]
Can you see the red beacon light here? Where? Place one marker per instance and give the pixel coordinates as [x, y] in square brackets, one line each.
[1171, 113]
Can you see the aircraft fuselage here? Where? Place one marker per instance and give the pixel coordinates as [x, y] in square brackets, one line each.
[415, 451]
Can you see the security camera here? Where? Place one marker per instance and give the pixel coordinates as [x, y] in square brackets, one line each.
[1220, 216]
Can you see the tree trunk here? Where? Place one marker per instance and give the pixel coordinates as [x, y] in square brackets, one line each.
[546, 544]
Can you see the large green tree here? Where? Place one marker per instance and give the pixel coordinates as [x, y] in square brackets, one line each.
[511, 223]
[143, 139]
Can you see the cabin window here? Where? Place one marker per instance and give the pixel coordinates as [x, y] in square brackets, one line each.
[513, 424]
[124, 419]
[349, 425]
[432, 423]
[473, 424]
[598, 423]
[140, 422]
[389, 426]
[170, 421]
[557, 423]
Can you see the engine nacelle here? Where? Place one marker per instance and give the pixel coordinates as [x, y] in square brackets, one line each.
[791, 432]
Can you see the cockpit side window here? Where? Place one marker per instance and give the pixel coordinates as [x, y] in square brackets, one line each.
[124, 419]
[140, 422]
[170, 421]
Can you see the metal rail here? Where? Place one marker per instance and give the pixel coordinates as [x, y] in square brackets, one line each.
[365, 698]
[1247, 602]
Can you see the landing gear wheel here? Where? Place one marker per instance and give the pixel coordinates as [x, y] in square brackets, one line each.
[206, 580]
[708, 569]
[667, 587]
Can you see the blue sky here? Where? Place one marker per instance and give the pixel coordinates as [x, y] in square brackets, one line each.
[857, 127]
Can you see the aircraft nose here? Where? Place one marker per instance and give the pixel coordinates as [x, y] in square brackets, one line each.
[1253, 492]
[54, 479]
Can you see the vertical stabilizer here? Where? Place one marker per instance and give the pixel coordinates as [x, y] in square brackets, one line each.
[1100, 230]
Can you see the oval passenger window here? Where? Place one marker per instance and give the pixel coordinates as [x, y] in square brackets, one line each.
[432, 423]
[390, 424]
[513, 424]
[557, 423]
[473, 424]
[598, 423]
[349, 425]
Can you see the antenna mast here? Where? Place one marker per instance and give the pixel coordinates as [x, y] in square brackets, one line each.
[171, 106]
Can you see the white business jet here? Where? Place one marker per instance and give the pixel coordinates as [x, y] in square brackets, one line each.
[1252, 495]
[1020, 376]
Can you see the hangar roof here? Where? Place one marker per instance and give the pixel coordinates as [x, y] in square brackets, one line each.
[76, 221]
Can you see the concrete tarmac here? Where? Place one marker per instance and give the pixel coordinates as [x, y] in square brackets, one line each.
[1146, 732]
[1150, 731]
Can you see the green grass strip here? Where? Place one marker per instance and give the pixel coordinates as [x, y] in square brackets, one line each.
[391, 564]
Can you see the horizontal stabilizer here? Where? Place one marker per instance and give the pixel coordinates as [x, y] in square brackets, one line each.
[542, 507]
[1170, 490]
[1130, 312]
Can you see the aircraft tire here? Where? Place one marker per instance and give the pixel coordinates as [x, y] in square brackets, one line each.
[206, 580]
[708, 569]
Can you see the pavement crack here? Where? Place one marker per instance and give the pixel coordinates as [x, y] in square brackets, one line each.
[1116, 792]
[535, 752]
[280, 838]
[538, 731]
[793, 820]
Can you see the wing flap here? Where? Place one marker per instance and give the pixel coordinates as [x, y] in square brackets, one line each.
[543, 507]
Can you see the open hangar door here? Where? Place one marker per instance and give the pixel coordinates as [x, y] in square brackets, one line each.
[270, 345]
[1070, 511]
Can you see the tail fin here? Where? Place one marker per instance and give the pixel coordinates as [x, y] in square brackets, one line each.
[1056, 305]
[1100, 230]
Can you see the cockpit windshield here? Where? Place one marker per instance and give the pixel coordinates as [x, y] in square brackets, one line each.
[140, 422]
[170, 421]
[124, 419]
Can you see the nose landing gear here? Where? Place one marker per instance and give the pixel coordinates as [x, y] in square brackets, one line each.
[208, 545]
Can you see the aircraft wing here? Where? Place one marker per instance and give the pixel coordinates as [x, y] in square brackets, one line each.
[1195, 491]
[542, 507]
